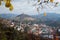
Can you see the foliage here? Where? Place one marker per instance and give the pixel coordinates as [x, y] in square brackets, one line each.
[9, 33]
[7, 4]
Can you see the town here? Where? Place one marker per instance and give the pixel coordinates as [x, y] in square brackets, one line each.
[35, 31]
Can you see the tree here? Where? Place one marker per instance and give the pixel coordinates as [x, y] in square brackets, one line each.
[39, 3]
[7, 4]
[9, 33]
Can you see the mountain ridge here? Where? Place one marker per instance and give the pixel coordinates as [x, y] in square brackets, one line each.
[52, 19]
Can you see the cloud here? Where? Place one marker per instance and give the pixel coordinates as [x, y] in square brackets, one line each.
[22, 6]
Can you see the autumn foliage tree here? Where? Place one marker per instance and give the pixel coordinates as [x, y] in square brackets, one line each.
[7, 4]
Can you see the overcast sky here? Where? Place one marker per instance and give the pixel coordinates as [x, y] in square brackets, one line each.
[23, 6]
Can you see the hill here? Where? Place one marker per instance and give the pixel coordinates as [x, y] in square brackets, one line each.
[23, 17]
[52, 19]
[7, 16]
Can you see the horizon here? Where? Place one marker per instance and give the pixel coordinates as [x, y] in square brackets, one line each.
[28, 14]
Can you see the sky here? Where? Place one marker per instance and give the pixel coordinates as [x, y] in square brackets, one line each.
[24, 6]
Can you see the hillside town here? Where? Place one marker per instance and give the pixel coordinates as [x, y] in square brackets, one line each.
[35, 31]
[40, 30]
